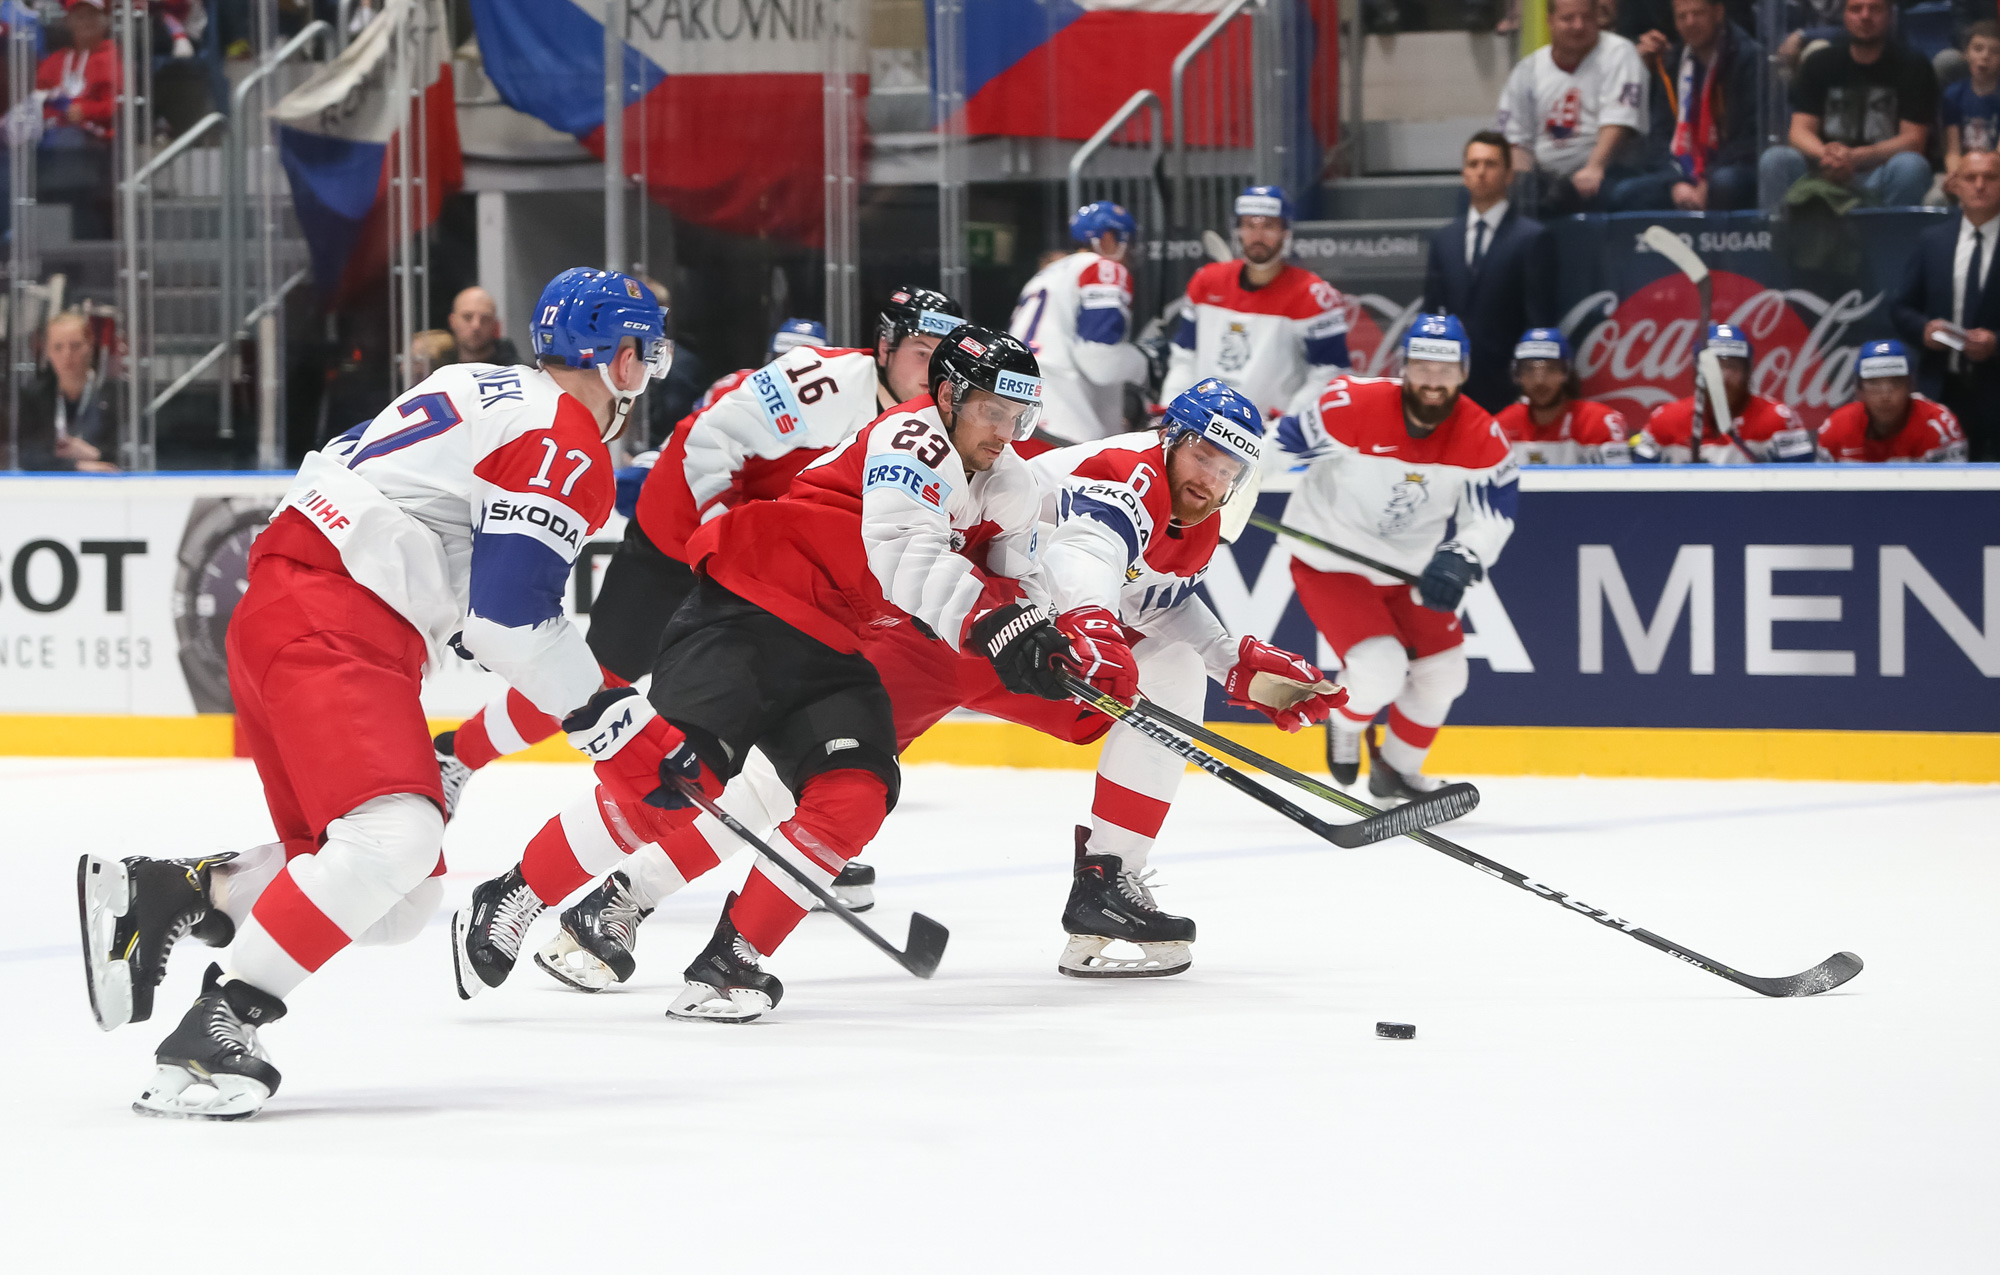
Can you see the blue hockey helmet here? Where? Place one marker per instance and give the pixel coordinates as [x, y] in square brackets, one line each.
[793, 333]
[1102, 218]
[1217, 414]
[1881, 359]
[1436, 338]
[1544, 343]
[1264, 201]
[1728, 341]
[583, 317]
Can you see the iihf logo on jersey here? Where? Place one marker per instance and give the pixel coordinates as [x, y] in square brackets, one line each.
[1235, 353]
[1404, 500]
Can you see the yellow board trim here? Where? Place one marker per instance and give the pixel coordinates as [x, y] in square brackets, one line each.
[1604, 752]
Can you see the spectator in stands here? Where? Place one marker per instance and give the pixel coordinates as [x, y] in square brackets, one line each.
[1704, 133]
[1492, 266]
[475, 330]
[1574, 111]
[1946, 302]
[1889, 422]
[1971, 112]
[82, 83]
[1638, 19]
[1862, 110]
[70, 414]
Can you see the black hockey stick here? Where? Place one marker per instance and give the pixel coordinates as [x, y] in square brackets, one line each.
[1277, 528]
[1829, 973]
[927, 937]
[1436, 808]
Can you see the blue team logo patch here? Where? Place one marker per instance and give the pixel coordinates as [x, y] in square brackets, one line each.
[1025, 389]
[910, 476]
[781, 410]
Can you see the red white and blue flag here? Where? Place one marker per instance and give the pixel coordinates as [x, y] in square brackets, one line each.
[338, 138]
[724, 98]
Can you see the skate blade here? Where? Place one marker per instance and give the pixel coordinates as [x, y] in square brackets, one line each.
[177, 1093]
[469, 984]
[855, 898]
[104, 894]
[572, 966]
[1084, 957]
[700, 1003]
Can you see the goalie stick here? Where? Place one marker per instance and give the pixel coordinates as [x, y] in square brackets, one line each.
[927, 938]
[1145, 717]
[1828, 974]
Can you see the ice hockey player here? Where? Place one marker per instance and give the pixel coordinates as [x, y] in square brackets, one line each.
[1268, 329]
[1889, 422]
[746, 446]
[447, 523]
[765, 654]
[1551, 424]
[1135, 527]
[1416, 475]
[1761, 429]
[1076, 315]
[791, 334]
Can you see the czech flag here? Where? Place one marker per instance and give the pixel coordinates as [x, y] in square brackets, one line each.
[1059, 68]
[338, 138]
[723, 112]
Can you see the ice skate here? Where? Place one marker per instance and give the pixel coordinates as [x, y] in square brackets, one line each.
[1108, 904]
[725, 985]
[855, 887]
[486, 934]
[593, 949]
[132, 913]
[213, 1067]
[1388, 785]
[1343, 752]
[452, 773]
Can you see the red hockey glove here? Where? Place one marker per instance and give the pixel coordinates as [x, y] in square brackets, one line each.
[638, 754]
[1098, 651]
[1282, 686]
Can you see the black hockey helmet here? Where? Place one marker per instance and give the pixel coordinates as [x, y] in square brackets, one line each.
[976, 358]
[919, 312]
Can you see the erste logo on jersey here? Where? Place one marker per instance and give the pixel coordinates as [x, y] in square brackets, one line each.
[910, 476]
[528, 514]
[775, 397]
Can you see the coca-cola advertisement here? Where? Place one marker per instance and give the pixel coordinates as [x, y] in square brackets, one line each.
[1634, 320]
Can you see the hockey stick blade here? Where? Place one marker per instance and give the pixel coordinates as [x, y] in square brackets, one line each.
[1684, 259]
[1449, 802]
[1823, 977]
[925, 946]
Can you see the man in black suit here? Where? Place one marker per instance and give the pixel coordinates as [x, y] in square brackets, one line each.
[1950, 284]
[1494, 268]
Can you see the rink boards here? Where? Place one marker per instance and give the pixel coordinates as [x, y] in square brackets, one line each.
[1809, 622]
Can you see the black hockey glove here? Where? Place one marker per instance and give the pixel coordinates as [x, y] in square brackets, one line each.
[1023, 646]
[1444, 581]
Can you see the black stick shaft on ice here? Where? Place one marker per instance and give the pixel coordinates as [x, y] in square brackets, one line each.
[1277, 528]
[1435, 808]
[927, 937]
[1828, 974]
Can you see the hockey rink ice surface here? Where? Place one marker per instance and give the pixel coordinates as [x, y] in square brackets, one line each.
[1572, 1101]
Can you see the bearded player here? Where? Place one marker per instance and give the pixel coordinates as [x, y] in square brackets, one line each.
[1552, 424]
[1759, 429]
[1415, 475]
[1890, 421]
[449, 522]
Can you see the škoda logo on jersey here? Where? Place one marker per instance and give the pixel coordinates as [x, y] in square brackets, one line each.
[537, 518]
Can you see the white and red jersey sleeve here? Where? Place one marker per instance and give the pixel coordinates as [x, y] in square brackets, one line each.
[1372, 488]
[721, 385]
[1115, 544]
[1587, 433]
[1272, 343]
[1930, 433]
[508, 476]
[1076, 315]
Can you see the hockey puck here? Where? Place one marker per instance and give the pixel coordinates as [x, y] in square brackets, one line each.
[1396, 1031]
